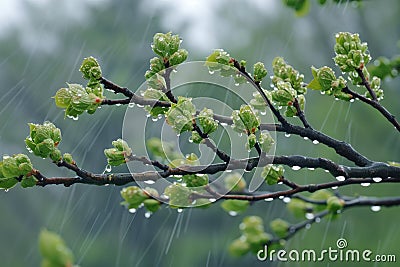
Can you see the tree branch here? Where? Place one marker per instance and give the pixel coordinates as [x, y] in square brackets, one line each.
[375, 104]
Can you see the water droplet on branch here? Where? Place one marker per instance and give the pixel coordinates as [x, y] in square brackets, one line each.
[233, 213]
[375, 208]
[132, 210]
[340, 178]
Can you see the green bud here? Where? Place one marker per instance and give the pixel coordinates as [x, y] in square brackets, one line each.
[325, 76]
[156, 81]
[151, 93]
[259, 71]
[165, 44]
[235, 205]
[76, 99]
[207, 121]
[179, 195]
[90, 69]
[194, 180]
[234, 182]
[299, 208]
[284, 94]
[334, 204]
[196, 138]
[258, 102]
[95, 87]
[156, 65]
[350, 52]
[133, 196]
[272, 173]
[376, 87]
[290, 111]
[28, 182]
[181, 115]
[151, 205]
[55, 155]
[15, 166]
[239, 247]
[121, 145]
[245, 120]
[7, 183]
[251, 141]
[67, 157]
[252, 225]
[266, 141]
[322, 195]
[178, 57]
[54, 250]
[45, 148]
[218, 58]
[280, 227]
[154, 111]
[10, 167]
[117, 155]
[283, 72]
[43, 139]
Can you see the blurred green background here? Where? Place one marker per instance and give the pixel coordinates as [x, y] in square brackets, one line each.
[41, 46]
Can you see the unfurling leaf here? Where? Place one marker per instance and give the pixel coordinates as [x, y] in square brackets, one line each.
[133, 196]
[266, 141]
[272, 173]
[206, 121]
[181, 115]
[90, 69]
[119, 154]
[165, 44]
[245, 120]
[179, 195]
[259, 72]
